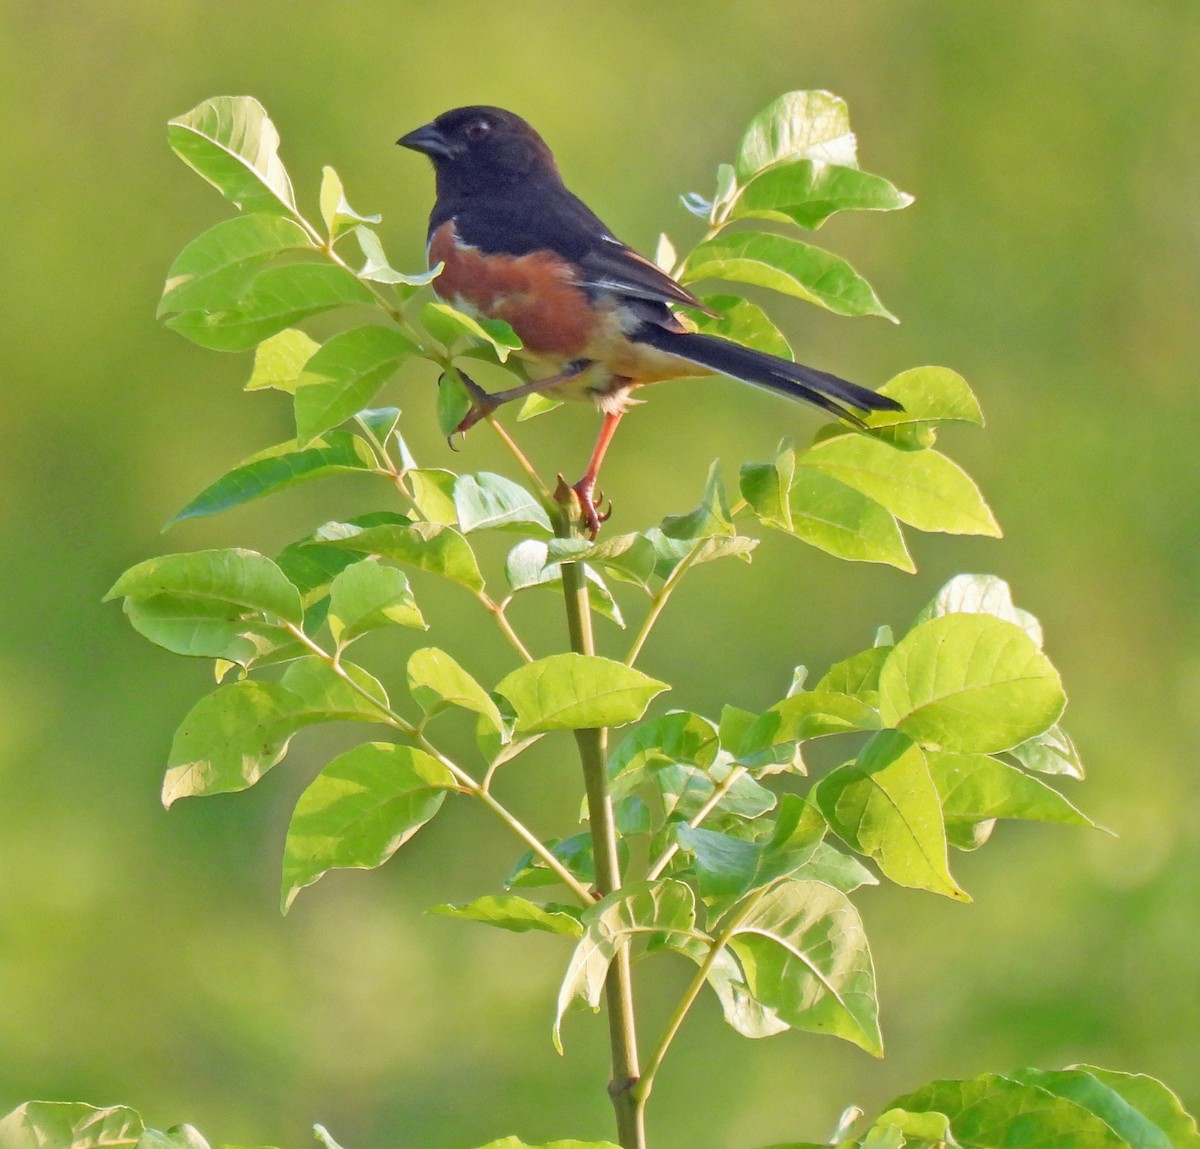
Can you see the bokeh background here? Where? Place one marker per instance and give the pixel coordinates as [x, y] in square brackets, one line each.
[1051, 257]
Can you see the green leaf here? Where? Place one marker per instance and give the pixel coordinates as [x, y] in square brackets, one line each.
[214, 270]
[857, 675]
[971, 683]
[679, 737]
[804, 956]
[453, 401]
[366, 596]
[279, 360]
[205, 628]
[669, 552]
[744, 322]
[1000, 1113]
[277, 297]
[377, 269]
[811, 125]
[751, 1018]
[976, 787]
[828, 514]
[808, 192]
[711, 518]
[785, 265]
[177, 1137]
[436, 682]
[575, 854]
[487, 501]
[630, 557]
[885, 806]
[337, 453]
[722, 865]
[771, 738]
[345, 375]
[1089, 1093]
[981, 594]
[230, 739]
[509, 912]
[433, 494]
[432, 547]
[686, 790]
[231, 142]
[337, 213]
[1051, 752]
[517, 1143]
[527, 566]
[922, 488]
[767, 487]
[360, 810]
[638, 908]
[242, 580]
[929, 395]
[1154, 1100]
[575, 692]
[328, 695]
[448, 325]
[69, 1125]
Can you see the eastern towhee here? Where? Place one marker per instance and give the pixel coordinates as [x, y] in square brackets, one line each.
[593, 315]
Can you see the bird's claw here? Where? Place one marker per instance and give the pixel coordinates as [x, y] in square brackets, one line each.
[589, 506]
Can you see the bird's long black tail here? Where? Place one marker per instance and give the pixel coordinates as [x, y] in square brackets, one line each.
[823, 390]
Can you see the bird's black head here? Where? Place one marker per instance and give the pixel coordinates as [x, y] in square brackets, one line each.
[478, 149]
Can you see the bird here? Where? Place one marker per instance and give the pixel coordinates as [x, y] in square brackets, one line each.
[596, 319]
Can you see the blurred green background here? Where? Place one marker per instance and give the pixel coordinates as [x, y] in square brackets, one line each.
[1051, 257]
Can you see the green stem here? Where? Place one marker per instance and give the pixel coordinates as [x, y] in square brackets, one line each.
[623, 1087]
[719, 791]
[466, 783]
[646, 1085]
[659, 601]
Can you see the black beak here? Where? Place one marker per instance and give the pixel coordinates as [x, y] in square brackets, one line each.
[428, 140]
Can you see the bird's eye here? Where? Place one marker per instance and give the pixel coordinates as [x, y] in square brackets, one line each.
[477, 129]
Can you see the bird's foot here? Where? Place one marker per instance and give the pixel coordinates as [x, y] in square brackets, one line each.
[482, 405]
[590, 501]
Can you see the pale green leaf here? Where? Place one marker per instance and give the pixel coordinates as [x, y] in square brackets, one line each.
[807, 192]
[576, 691]
[1155, 1101]
[276, 298]
[785, 265]
[69, 1125]
[279, 360]
[976, 787]
[981, 594]
[828, 514]
[241, 579]
[436, 681]
[231, 142]
[366, 596]
[487, 501]
[640, 908]
[998, 1113]
[922, 488]
[337, 213]
[215, 269]
[432, 547]
[345, 375]
[885, 806]
[812, 125]
[336, 453]
[804, 956]
[509, 912]
[971, 683]
[360, 810]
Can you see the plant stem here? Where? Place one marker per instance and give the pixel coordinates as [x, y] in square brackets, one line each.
[660, 600]
[628, 1103]
[466, 783]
